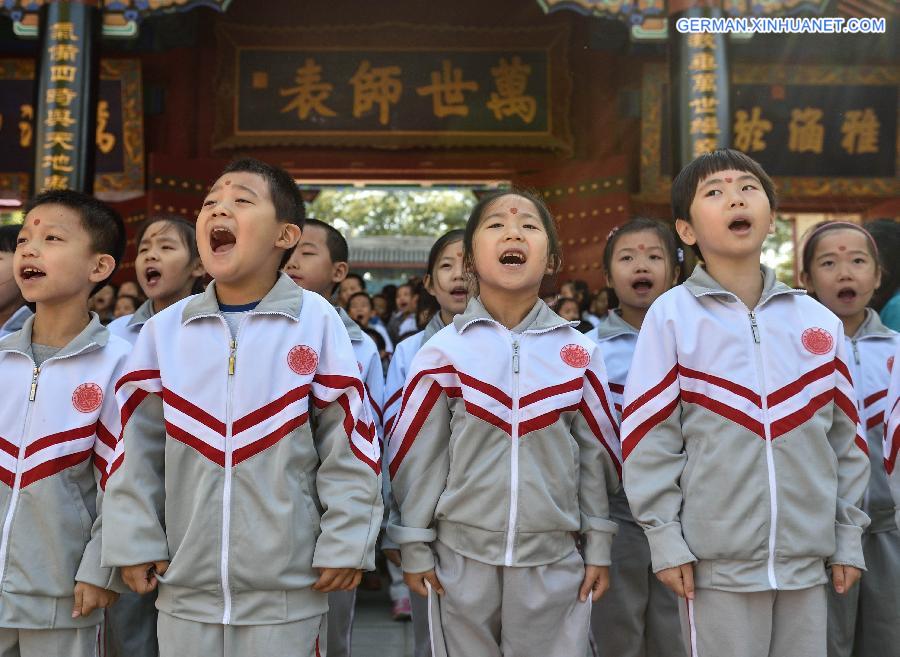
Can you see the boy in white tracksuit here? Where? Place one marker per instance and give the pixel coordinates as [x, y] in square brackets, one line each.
[744, 461]
[318, 264]
[248, 481]
[58, 422]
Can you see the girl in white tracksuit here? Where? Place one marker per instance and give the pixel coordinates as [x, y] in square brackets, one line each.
[447, 282]
[168, 269]
[841, 268]
[639, 616]
[504, 453]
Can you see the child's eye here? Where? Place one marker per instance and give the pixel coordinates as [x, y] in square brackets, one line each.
[53, 237]
[208, 202]
[625, 258]
[748, 186]
[713, 192]
[168, 248]
[826, 263]
[656, 257]
[242, 200]
[532, 226]
[496, 224]
[860, 261]
[20, 241]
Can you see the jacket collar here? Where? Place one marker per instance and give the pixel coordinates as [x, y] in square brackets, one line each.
[701, 284]
[285, 298]
[142, 314]
[93, 336]
[538, 320]
[612, 326]
[872, 327]
[17, 320]
[353, 330]
[433, 326]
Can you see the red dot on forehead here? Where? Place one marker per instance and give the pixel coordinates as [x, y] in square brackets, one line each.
[842, 248]
[37, 222]
[641, 247]
[513, 210]
[728, 180]
[227, 182]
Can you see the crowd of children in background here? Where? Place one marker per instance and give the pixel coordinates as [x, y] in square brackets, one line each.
[643, 469]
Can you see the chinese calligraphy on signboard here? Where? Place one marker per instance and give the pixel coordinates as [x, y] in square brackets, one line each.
[355, 86]
[818, 131]
[119, 136]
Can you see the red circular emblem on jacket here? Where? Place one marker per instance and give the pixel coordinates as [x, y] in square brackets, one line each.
[87, 397]
[891, 364]
[303, 359]
[817, 341]
[575, 355]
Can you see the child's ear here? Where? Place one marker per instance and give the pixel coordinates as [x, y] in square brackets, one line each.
[806, 282]
[772, 223]
[198, 270]
[339, 271]
[288, 236]
[104, 264]
[685, 231]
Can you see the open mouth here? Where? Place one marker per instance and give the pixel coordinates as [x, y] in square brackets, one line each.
[512, 257]
[739, 225]
[846, 294]
[29, 273]
[221, 240]
[459, 292]
[642, 285]
[152, 275]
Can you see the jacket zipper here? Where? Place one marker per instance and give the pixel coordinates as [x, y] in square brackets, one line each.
[226, 487]
[14, 497]
[514, 457]
[770, 457]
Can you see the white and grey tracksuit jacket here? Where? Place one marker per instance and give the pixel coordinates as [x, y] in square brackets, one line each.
[891, 444]
[505, 445]
[741, 438]
[58, 428]
[247, 462]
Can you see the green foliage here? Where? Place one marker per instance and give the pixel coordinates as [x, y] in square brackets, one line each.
[778, 251]
[362, 212]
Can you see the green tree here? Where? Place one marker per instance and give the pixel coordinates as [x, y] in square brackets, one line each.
[361, 212]
[778, 250]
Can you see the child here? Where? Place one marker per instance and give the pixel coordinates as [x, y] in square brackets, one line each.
[639, 615]
[168, 268]
[447, 282]
[352, 284]
[13, 311]
[58, 419]
[534, 452]
[130, 289]
[744, 460]
[319, 264]
[103, 302]
[404, 320]
[125, 305]
[841, 269]
[248, 487]
[361, 311]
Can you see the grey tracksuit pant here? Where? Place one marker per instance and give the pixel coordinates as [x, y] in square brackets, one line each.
[421, 641]
[865, 622]
[341, 608]
[491, 611]
[131, 626]
[758, 624]
[81, 642]
[184, 638]
[638, 616]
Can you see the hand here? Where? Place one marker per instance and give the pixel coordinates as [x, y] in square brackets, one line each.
[416, 582]
[392, 555]
[89, 597]
[844, 577]
[142, 577]
[337, 579]
[596, 579]
[680, 579]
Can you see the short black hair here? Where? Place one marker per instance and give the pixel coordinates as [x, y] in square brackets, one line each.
[684, 187]
[286, 197]
[450, 237]
[554, 248]
[380, 344]
[8, 235]
[639, 224]
[336, 243]
[360, 294]
[362, 281]
[103, 225]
